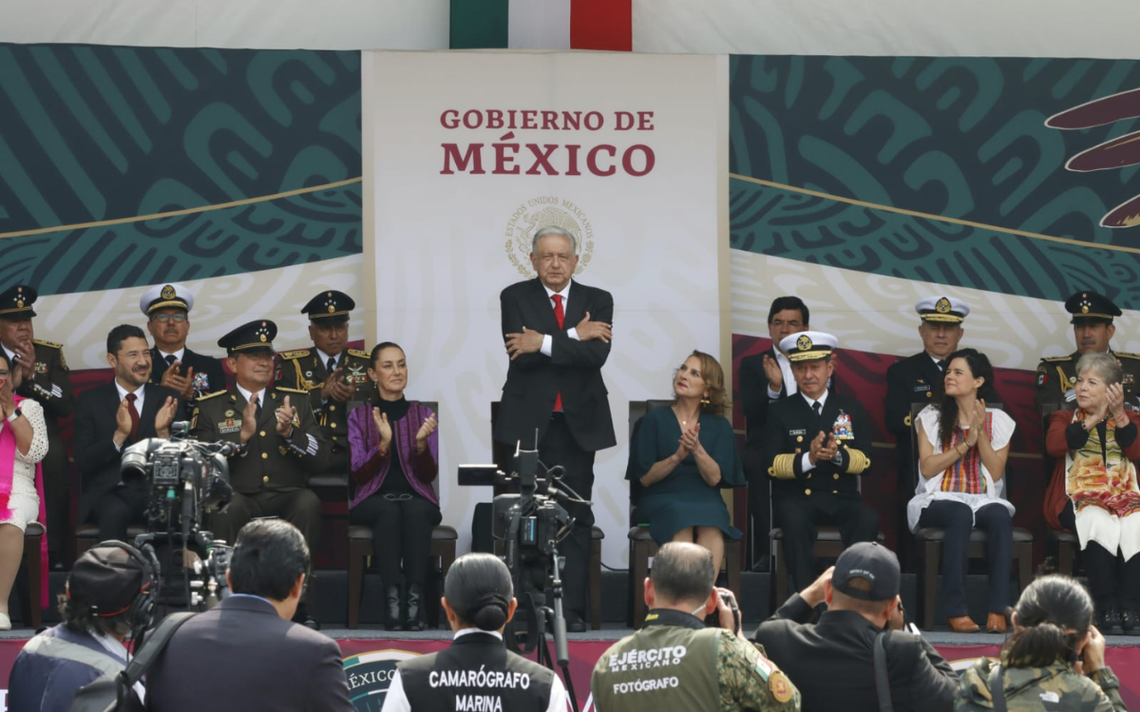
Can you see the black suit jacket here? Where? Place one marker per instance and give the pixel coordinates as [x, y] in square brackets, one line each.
[215, 375]
[240, 656]
[574, 368]
[832, 665]
[754, 393]
[916, 379]
[95, 425]
[788, 433]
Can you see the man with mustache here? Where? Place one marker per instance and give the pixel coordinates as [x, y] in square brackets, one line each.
[111, 417]
[280, 443]
[918, 379]
[39, 372]
[330, 372]
[557, 333]
[190, 374]
[1092, 329]
[816, 446]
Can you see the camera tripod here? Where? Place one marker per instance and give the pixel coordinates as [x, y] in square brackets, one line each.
[540, 618]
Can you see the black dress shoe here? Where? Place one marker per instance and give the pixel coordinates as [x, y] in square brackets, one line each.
[762, 565]
[392, 605]
[574, 623]
[311, 622]
[1129, 621]
[1109, 621]
[413, 617]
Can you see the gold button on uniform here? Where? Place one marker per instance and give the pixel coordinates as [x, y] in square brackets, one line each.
[836, 475]
[332, 425]
[799, 438]
[809, 476]
[262, 433]
[264, 456]
[929, 394]
[265, 479]
[807, 492]
[332, 408]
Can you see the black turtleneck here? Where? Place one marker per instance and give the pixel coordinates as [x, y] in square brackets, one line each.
[396, 482]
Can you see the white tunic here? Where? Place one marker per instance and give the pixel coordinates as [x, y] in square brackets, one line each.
[929, 490]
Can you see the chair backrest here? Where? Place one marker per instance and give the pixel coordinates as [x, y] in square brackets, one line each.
[637, 411]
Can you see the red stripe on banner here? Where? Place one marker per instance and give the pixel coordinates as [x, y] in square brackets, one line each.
[601, 24]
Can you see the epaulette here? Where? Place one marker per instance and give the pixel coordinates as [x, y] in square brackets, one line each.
[291, 355]
[208, 396]
[1055, 359]
[49, 344]
[359, 354]
[1126, 355]
[292, 390]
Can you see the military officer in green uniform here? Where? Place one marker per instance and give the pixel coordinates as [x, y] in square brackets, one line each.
[675, 662]
[331, 373]
[39, 372]
[1092, 328]
[281, 444]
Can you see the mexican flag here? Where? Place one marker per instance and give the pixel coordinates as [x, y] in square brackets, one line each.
[542, 24]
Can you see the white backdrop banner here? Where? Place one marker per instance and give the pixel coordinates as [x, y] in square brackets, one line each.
[465, 155]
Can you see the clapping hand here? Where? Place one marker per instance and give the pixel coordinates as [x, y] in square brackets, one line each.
[286, 417]
[823, 448]
[123, 423]
[336, 388]
[425, 430]
[384, 427]
[976, 420]
[588, 330]
[165, 417]
[183, 385]
[774, 373]
[248, 420]
[691, 440]
[7, 400]
[24, 364]
[1115, 399]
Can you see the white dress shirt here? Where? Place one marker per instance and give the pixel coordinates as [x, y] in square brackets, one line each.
[808, 465]
[547, 339]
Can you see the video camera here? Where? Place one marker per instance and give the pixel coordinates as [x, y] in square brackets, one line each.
[188, 480]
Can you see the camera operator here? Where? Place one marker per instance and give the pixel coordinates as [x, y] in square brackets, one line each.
[109, 593]
[832, 661]
[477, 671]
[675, 662]
[245, 654]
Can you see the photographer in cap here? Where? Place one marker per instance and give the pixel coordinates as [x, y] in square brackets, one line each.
[832, 660]
[675, 662]
[109, 593]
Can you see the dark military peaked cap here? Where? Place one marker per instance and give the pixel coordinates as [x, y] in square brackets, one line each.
[329, 307]
[254, 337]
[1090, 305]
[16, 303]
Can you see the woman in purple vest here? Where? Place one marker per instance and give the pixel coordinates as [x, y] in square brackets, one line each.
[395, 459]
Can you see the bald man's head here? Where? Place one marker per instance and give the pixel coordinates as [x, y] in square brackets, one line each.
[683, 573]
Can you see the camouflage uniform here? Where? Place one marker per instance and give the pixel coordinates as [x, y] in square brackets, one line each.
[1057, 687]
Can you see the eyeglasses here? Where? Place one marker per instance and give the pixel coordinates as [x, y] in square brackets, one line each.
[176, 318]
[5, 374]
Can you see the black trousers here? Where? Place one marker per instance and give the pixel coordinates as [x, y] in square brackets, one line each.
[57, 496]
[958, 520]
[121, 507]
[558, 447]
[800, 518]
[300, 507]
[759, 502]
[401, 532]
[1113, 581]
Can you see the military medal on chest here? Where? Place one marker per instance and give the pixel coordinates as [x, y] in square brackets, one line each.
[842, 429]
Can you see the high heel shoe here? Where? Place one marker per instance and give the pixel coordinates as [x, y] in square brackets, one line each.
[962, 624]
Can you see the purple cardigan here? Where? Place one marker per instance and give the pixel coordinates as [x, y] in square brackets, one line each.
[369, 468]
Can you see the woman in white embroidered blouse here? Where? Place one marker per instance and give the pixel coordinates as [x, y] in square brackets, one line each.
[962, 449]
[23, 443]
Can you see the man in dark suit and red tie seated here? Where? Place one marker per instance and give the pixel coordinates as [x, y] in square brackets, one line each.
[111, 417]
[167, 308]
[244, 654]
[558, 334]
[816, 445]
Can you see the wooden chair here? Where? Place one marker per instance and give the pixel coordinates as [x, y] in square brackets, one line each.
[443, 540]
[1066, 543]
[930, 545]
[33, 535]
[501, 454]
[641, 544]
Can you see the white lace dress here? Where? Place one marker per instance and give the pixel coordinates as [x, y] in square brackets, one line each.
[24, 502]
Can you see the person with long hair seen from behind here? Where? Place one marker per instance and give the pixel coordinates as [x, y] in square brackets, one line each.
[1093, 491]
[962, 451]
[683, 456]
[395, 458]
[1053, 661]
[477, 671]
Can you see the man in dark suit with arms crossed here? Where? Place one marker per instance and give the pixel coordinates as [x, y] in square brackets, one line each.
[244, 654]
[111, 417]
[557, 334]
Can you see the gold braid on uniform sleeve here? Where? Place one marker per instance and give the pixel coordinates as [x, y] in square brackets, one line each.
[857, 462]
[783, 467]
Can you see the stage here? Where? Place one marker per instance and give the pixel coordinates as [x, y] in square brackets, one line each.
[371, 654]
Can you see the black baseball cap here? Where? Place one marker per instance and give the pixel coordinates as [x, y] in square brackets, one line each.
[107, 579]
[872, 562]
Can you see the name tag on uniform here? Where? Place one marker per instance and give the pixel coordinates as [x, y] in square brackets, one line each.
[922, 388]
[842, 429]
[801, 431]
[229, 425]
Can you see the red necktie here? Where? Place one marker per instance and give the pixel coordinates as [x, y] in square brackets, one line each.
[131, 398]
[560, 317]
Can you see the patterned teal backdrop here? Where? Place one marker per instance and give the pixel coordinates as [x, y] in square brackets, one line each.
[960, 138]
[96, 134]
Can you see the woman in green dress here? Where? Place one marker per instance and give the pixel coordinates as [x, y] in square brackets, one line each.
[682, 456]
